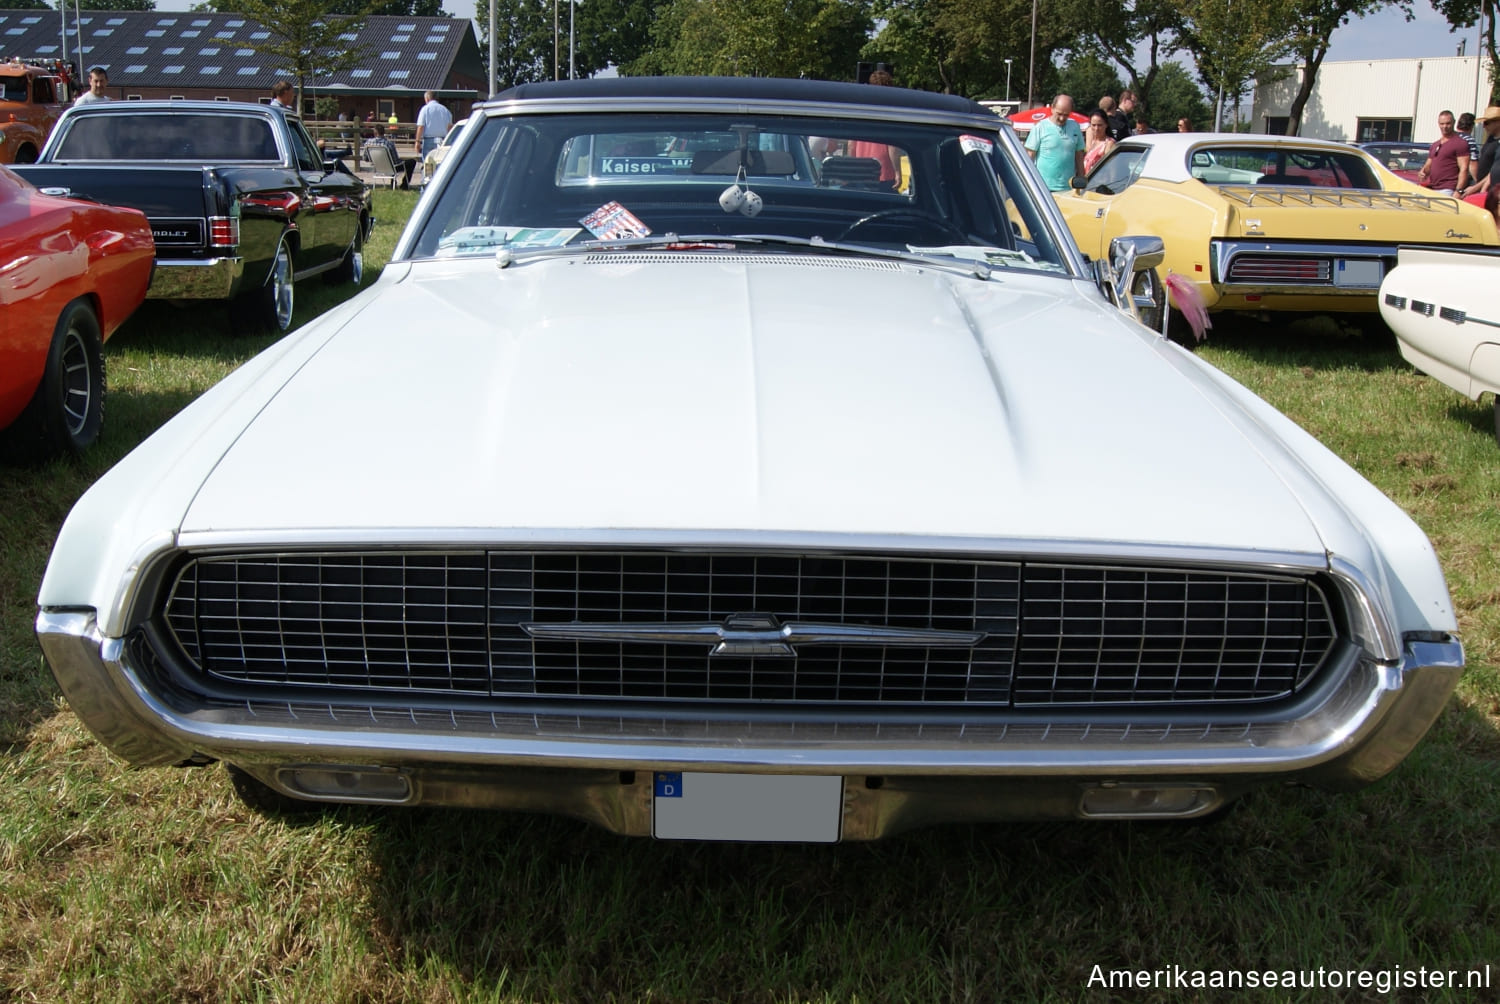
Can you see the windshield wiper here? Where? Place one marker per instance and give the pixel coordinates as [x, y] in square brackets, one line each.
[703, 242]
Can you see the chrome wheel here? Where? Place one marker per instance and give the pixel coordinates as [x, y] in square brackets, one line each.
[356, 267]
[281, 288]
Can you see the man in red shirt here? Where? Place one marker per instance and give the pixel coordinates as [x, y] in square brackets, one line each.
[1447, 158]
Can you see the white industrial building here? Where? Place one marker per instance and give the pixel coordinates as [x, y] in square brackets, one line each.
[1365, 100]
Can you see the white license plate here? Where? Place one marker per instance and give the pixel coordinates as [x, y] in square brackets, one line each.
[1364, 273]
[770, 807]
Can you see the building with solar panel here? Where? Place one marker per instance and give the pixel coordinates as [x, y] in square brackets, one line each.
[208, 56]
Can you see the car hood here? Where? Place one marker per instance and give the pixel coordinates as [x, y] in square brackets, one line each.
[748, 393]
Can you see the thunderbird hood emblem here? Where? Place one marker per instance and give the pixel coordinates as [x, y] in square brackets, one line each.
[753, 635]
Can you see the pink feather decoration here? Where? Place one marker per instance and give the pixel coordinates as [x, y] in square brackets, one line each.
[1185, 292]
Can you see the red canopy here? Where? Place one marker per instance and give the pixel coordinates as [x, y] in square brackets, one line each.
[1031, 116]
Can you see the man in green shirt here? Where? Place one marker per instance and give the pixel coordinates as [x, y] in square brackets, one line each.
[1056, 144]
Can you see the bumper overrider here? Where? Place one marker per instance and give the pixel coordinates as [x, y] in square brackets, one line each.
[897, 772]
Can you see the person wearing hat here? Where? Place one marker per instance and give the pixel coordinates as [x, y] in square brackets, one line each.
[1485, 174]
[98, 81]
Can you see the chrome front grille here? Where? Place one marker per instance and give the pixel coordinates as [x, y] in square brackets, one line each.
[457, 623]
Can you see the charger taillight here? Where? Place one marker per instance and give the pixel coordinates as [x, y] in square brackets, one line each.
[223, 231]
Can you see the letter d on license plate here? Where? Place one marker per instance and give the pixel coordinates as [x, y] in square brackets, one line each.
[770, 807]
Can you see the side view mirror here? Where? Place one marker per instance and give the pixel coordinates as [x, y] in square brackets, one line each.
[1128, 277]
[1077, 182]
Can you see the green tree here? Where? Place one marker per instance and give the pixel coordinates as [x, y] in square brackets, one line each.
[910, 41]
[614, 32]
[28, 5]
[605, 33]
[1176, 95]
[1135, 35]
[306, 37]
[982, 34]
[1234, 42]
[757, 38]
[1313, 23]
[1088, 78]
[524, 40]
[1466, 14]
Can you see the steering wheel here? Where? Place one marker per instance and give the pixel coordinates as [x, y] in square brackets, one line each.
[903, 212]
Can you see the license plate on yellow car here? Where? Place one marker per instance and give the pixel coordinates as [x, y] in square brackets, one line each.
[798, 808]
[1359, 273]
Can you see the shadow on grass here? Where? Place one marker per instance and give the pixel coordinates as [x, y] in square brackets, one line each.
[34, 502]
[1482, 417]
[1320, 341]
[552, 909]
[203, 330]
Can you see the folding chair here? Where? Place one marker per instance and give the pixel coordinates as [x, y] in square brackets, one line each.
[381, 164]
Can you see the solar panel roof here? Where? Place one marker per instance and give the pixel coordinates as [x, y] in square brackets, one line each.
[147, 49]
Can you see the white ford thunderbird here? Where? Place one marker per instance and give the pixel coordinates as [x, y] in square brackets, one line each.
[754, 460]
[1440, 304]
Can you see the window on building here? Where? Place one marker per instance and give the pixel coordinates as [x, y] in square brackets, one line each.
[1276, 124]
[1382, 130]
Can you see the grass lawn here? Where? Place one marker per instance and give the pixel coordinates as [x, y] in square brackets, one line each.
[158, 885]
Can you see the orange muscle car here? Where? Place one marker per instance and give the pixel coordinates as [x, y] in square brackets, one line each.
[70, 273]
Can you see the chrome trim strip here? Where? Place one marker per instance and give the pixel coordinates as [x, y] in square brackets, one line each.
[753, 634]
[1368, 625]
[1367, 724]
[549, 538]
[679, 104]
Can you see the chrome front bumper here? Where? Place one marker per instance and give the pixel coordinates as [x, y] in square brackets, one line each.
[196, 279]
[897, 774]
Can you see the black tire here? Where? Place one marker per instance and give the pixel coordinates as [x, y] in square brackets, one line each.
[66, 413]
[351, 269]
[26, 154]
[261, 798]
[268, 308]
[1497, 419]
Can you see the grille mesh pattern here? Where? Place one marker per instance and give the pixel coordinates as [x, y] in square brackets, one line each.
[1104, 636]
[451, 623]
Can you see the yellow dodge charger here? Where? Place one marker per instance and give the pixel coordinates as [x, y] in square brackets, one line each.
[1263, 222]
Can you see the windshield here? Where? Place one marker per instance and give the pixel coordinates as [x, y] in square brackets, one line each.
[530, 181]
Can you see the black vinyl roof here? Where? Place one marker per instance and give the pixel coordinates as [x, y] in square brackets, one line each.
[745, 88]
